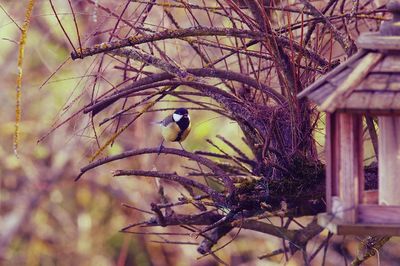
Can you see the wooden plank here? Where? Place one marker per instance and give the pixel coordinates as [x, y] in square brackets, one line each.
[331, 153]
[364, 111]
[376, 41]
[378, 214]
[351, 82]
[396, 102]
[335, 154]
[359, 156]
[375, 82]
[391, 63]
[370, 197]
[378, 67]
[357, 100]
[332, 73]
[319, 96]
[394, 82]
[351, 162]
[381, 100]
[340, 77]
[389, 159]
[339, 227]
[360, 87]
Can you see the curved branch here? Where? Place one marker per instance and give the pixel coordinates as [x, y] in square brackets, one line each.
[172, 177]
[198, 72]
[223, 156]
[204, 161]
[152, 60]
[265, 228]
[194, 32]
[298, 238]
[99, 105]
[242, 78]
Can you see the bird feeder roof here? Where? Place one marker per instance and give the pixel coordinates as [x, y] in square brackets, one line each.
[369, 81]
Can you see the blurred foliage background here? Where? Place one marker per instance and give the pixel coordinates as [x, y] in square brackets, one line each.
[46, 218]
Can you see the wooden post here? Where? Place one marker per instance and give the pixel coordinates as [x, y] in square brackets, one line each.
[389, 160]
[332, 158]
[351, 170]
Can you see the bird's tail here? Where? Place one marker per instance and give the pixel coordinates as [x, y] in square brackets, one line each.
[156, 123]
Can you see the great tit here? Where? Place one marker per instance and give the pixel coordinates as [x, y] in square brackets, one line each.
[176, 127]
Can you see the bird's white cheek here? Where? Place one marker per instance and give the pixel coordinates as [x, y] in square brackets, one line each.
[176, 117]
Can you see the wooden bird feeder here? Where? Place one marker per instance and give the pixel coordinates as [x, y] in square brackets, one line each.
[368, 83]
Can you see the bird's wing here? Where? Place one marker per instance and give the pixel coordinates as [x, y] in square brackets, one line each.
[168, 120]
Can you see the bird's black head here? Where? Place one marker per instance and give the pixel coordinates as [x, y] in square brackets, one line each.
[181, 115]
[181, 111]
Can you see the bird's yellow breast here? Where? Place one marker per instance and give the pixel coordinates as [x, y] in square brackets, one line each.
[171, 132]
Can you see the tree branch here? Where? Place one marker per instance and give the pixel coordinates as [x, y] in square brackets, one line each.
[172, 177]
[204, 161]
[194, 32]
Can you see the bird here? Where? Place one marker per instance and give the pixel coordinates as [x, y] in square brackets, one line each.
[175, 127]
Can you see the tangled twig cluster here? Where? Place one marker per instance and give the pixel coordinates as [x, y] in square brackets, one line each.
[284, 177]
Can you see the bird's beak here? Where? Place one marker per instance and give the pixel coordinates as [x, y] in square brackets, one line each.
[185, 115]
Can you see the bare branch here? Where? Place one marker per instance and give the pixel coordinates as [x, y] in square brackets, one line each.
[192, 32]
[204, 161]
[172, 177]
